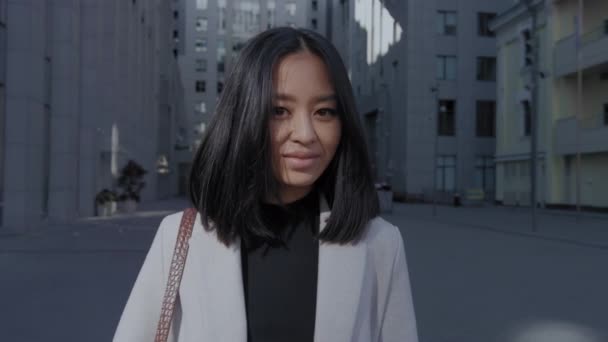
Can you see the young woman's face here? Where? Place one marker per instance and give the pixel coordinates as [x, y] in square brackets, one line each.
[305, 128]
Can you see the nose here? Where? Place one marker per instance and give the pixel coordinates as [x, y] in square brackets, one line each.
[302, 128]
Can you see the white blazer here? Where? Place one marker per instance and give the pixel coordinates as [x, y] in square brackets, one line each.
[363, 290]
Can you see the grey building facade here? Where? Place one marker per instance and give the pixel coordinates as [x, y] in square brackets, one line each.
[85, 86]
[424, 73]
[214, 32]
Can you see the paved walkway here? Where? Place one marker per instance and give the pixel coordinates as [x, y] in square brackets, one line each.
[590, 229]
[90, 234]
[478, 275]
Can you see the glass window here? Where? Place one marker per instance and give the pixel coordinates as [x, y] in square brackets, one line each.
[222, 16]
[271, 14]
[238, 46]
[220, 87]
[446, 118]
[446, 23]
[246, 17]
[486, 117]
[484, 173]
[200, 45]
[605, 114]
[201, 24]
[483, 24]
[201, 4]
[200, 65]
[486, 68]
[200, 86]
[446, 173]
[446, 67]
[315, 5]
[221, 56]
[290, 8]
[200, 107]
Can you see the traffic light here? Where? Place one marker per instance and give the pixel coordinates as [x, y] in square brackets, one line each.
[528, 47]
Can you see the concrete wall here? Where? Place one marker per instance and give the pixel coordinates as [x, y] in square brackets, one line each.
[193, 130]
[557, 103]
[392, 75]
[83, 87]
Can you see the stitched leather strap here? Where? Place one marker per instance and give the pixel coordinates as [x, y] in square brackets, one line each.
[175, 274]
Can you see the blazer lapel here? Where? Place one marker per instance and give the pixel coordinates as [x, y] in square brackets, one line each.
[215, 278]
[339, 285]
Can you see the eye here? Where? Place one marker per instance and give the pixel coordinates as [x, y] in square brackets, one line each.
[279, 111]
[327, 112]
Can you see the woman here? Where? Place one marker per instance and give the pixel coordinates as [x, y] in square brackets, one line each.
[287, 245]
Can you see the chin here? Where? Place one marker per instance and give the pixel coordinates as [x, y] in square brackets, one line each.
[297, 179]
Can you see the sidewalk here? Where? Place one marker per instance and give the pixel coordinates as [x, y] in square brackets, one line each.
[589, 229]
[135, 230]
[119, 233]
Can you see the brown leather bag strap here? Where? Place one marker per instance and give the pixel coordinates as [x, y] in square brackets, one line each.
[175, 274]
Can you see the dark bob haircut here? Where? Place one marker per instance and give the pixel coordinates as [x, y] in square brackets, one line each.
[232, 172]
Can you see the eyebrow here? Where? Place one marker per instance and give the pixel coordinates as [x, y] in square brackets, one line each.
[317, 99]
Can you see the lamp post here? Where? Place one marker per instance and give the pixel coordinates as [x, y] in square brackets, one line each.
[533, 109]
[387, 134]
[436, 110]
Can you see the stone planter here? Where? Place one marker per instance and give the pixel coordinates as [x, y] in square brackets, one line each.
[106, 209]
[112, 207]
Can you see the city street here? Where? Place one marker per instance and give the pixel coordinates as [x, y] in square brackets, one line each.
[478, 275]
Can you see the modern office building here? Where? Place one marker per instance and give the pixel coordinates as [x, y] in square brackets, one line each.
[84, 87]
[424, 73]
[215, 30]
[571, 131]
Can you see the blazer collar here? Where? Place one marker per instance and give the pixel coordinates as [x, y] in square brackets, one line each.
[213, 275]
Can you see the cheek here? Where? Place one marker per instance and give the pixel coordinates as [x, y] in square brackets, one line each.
[277, 138]
[330, 138]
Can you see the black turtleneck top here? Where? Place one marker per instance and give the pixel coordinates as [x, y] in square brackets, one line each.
[280, 275]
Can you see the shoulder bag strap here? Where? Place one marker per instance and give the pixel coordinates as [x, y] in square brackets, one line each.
[175, 274]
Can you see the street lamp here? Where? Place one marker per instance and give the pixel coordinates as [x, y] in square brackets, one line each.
[442, 109]
[533, 108]
[387, 134]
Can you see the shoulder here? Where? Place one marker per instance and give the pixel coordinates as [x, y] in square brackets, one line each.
[383, 240]
[381, 233]
[170, 223]
[169, 227]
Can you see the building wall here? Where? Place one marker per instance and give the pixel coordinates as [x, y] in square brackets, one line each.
[594, 96]
[391, 50]
[3, 56]
[513, 145]
[594, 14]
[243, 19]
[82, 86]
[556, 173]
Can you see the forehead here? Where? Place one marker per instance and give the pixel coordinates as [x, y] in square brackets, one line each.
[302, 74]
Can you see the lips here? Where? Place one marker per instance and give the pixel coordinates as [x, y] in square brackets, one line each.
[301, 155]
[300, 160]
